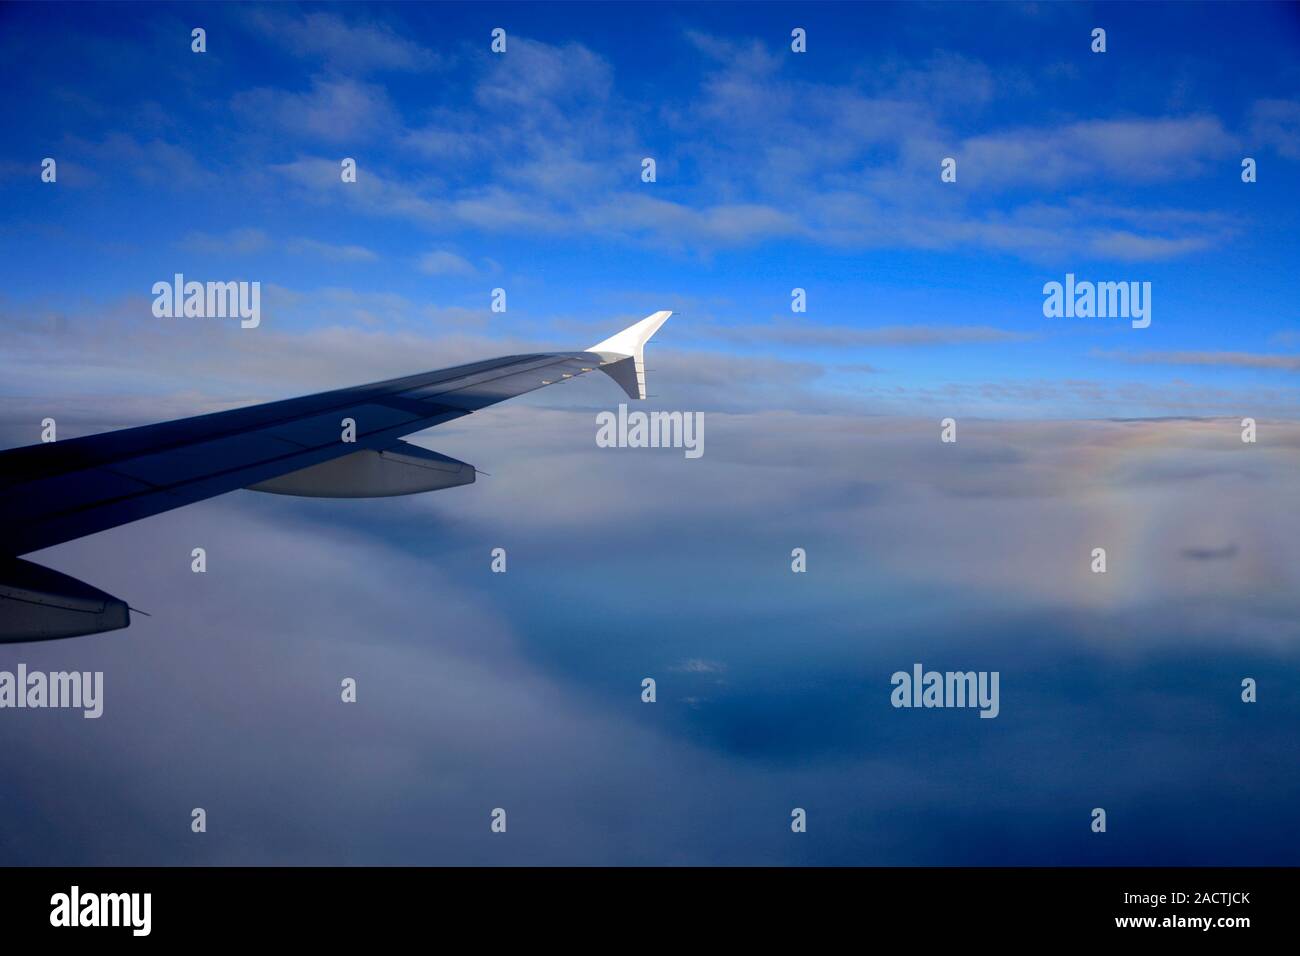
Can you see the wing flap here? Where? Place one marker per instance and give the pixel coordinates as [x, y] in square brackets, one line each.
[403, 469]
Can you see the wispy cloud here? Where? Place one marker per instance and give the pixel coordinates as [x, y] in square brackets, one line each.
[552, 127]
[696, 665]
[809, 334]
[331, 109]
[1225, 553]
[238, 242]
[250, 241]
[331, 251]
[341, 43]
[440, 262]
[1287, 363]
[1276, 124]
[1155, 149]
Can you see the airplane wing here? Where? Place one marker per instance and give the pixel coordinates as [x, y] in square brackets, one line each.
[342, 443]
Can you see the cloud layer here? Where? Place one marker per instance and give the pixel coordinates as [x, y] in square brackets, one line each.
[522, 690]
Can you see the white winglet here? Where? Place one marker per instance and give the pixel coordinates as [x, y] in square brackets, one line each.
[623, 354]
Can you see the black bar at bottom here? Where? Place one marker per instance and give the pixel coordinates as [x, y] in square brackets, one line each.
[335, 904]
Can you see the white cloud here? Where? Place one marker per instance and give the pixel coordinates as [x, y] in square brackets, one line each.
[332, 109]
[1256, 360]
[1158, 149]
[770, 156]
[696, 665]
[443, 263]
[1276, 123]
[249, 241]
[342, 44]
[331, 251]
[239, 242]
[807, 335]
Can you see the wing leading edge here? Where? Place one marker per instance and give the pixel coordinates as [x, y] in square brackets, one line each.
[60, 491]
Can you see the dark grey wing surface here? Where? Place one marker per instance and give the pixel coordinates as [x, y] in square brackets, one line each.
[55, 492]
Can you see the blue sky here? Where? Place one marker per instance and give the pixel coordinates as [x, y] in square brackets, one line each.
[775, 170]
